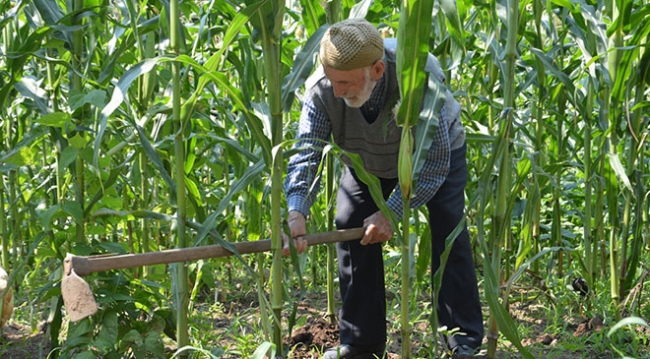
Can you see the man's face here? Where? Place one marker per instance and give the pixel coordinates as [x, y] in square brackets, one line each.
[353, 86]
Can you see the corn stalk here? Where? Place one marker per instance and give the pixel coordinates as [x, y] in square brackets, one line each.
[500, 222]
[412, 53]
[333, 11]
[181, 290]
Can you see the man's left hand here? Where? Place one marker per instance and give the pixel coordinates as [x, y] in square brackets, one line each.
[378, 229]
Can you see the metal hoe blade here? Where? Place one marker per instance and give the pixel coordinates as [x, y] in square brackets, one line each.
[78, 299]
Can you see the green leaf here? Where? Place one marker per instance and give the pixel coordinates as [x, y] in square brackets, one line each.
[55, 119]
[50, 11]
[617, 167]
[46, 216]
[313, 16]
[154, 344]
[68, 156]
[262, 351]
[108, 332]
[373, 185]
[24, 156]
[131, 338]
[85, 355]
[81, 328]
[77, 141]
[627, 322]
[435, 97]
[96, 98]
[74, 209]
[152, 154]
[455, 25]
[360, 10]
[112, 247]
[302, 68]
[252, 174]
[412, 54]
[506, 324]
[549, 65]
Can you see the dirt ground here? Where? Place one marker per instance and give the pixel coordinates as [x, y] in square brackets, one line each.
[319, 334]
[19, 342]
[308, 341]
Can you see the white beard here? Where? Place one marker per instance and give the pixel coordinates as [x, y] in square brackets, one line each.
[361, 98]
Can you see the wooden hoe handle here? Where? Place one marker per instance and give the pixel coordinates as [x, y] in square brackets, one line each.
[84, 265]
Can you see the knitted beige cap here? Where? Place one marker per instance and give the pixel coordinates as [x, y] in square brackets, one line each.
[351, 44]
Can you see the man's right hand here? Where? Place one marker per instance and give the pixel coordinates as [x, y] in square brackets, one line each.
[297, 226]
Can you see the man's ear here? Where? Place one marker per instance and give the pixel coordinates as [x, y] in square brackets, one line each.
[377, 69]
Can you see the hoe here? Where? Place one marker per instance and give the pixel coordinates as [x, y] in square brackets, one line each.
[80, 302]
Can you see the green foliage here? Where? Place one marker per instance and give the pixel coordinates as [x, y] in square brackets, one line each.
[88, 147]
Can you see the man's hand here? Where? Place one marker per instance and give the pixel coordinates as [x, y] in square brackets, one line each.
[378, 229]
[297, 227]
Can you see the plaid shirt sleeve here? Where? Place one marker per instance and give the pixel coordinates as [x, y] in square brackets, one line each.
[302, 183]
[434, 170]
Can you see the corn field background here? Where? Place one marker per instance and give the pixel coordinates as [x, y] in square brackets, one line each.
[137, 126]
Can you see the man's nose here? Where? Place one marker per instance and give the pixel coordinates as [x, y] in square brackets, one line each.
[339, 90]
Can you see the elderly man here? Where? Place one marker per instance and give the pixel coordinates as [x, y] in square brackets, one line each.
[350, 99]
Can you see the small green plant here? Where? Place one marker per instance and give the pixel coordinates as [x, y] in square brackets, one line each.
[624, 339]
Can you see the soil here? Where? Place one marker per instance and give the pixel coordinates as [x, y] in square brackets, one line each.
[20, 342]
[317, 334]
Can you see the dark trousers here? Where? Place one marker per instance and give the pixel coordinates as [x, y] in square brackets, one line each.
[361, 268]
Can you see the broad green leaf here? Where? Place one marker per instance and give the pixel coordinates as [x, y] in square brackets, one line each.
[30, 87]
[111, 247]
[68, 156]
[84, 355]
[24, 156]
[122, 88]
[302, 68]
[77, 141]
[506, 324]
[74, 209]
[437, 277]
[549, 65]
[193, 190]
[152, 154]
[55, 119]
[428, 121]
[412, 53]
[154, 345]
[617, 167]
[360, 10]
[96, 98]
[131, 338]
[50, 11]
[81, 328]
[252, 174]
[47, 214]
[262, 351]
[313, 16]
[452, 16]
[627, 322]
[373, 185]
[108, 331]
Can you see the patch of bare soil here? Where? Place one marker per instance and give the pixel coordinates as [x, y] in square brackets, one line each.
[314, 338]
[19, 342]
[311, 340]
